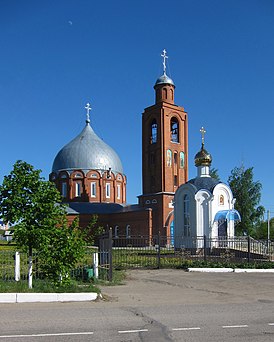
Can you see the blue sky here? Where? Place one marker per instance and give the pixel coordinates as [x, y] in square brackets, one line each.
[55, 56]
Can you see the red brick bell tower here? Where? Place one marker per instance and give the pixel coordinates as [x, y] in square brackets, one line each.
[164, 153]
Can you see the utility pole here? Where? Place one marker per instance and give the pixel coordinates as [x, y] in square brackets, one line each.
[268, 230]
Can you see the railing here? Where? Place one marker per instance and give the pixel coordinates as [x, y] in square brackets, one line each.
[146, 251]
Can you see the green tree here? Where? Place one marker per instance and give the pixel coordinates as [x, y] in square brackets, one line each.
[214, 174]
[261, 231]
[65, 247]
[248, 195]
[33, 206]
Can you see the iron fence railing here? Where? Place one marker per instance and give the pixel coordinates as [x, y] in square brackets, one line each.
[146, 251]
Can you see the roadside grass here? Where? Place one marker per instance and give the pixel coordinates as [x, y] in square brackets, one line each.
[45, 287]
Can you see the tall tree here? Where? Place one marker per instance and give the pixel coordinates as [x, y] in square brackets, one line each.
[33, 206]
[248, 195]
[214, 174]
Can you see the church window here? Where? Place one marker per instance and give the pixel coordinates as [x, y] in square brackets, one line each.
[164, 94]
[64, 189]
[118, 191]
[147, 201]
[128, 231]
[63, 176]
[168, 158]
[107, 190]
[174, 130]
[116, 231]
[175, 157]
[175, 180]
[93, 189]
[78, 175]
[153, 137]
[186, 231]
[94, 175]
[77, 189]
[154, 201]
[182, 160]
[172, 94]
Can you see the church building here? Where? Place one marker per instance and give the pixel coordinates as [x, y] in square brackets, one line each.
[89, 174]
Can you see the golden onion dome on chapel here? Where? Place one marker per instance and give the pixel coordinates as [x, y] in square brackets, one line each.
[203, 158]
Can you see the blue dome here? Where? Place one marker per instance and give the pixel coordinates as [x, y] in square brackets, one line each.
[87, 152]
[164, 79]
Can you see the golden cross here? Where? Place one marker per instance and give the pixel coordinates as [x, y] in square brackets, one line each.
[203, 131]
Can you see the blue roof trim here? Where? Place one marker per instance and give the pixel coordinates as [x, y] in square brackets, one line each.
[230, 215]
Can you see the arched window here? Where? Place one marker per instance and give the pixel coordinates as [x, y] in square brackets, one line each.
[153, 132]
[174, 130]
[116, 231]
[64, 189]
[186, 216]
[77, 189]
[164, 94]
[128, 231]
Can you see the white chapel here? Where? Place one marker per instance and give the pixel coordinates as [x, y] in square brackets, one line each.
[203, 206]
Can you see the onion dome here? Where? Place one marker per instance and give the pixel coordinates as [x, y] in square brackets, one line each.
[87, 152]
[203, 158]
[164, 79]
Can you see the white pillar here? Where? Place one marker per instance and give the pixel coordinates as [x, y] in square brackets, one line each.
[17, 266]
[95, 265]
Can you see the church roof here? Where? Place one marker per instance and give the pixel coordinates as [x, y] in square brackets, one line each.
[207, 183]
[164, 79]
[87, 152]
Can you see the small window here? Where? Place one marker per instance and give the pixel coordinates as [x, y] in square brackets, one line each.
[154, 201]
[147, 201]
[118, 191]
[186, 210]
[63, 176]
[93, 189]
[116, 231]
[93, 175]
[64, 189]
[153, 137]
[175, 157]
[175, 180]
[174, 130]
[77, 189]
[107, 190]
[128, 231]
[78, 175]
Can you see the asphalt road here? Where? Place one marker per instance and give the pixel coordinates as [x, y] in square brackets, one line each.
[154, 305]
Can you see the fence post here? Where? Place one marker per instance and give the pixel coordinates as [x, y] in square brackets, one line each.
[95, 265]
[110, 254]
[17, 266]
[159, 251]
[204, 247]
[248, 249]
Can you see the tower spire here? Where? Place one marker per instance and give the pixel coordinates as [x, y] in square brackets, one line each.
[88, 108]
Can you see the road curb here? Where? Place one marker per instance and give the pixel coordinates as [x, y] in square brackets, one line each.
[230, 270]
[47, 297]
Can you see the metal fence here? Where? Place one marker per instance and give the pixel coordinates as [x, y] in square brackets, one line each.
[147, 251]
